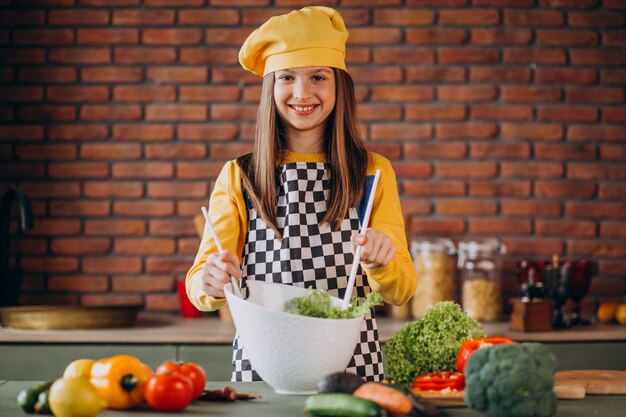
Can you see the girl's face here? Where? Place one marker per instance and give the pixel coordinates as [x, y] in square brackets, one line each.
[304, 98]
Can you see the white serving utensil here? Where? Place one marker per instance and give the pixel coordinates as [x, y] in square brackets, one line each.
[233, 280]
[357, 255]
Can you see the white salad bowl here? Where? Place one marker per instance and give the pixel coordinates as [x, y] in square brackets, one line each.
[292, 353]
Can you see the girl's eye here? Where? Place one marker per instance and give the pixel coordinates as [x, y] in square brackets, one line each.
[286, 78]
[318, 78]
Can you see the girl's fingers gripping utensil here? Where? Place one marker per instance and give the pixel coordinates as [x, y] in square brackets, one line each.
[233, 280]
[357, 255]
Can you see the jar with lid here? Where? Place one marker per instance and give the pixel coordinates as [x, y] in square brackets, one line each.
[433, 260]
[480, 265]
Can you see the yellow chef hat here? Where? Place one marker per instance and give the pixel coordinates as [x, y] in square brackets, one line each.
[312, 36]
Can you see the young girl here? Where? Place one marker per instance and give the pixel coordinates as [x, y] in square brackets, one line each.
[290, 211]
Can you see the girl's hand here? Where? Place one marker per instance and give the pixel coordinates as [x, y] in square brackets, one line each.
[376, 248]
[216, 272]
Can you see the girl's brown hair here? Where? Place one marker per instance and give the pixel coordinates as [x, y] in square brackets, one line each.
[343, 146]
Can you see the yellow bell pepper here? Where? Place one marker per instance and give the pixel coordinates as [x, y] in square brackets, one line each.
[120, 380]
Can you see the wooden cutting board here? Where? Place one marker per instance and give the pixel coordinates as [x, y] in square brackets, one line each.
[568, 385]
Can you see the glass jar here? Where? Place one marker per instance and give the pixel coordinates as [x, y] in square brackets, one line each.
[480, 265]
[433, 261]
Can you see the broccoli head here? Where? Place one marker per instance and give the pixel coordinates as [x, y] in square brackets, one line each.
[512, 380]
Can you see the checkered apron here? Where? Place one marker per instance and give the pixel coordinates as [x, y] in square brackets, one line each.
[309, 255]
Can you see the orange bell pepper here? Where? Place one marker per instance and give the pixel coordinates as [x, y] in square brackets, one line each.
[120, 380]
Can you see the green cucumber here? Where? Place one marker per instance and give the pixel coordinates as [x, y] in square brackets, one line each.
[27, 398]
[342, 405]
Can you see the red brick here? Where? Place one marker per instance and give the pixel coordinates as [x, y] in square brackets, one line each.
[41, 37]
[42, 190]
[612, 267]
[21, 94]
[612, 152]
[108, 36]
[111, 74]
[560, 228]
[569, 4]
[78, 17]
[110, 112]
[168, 264]
[562, 152]
[476, 17]
[80, 208]
[379, 112]
[613, 76]
[350, 3]
[595, 95]
[144, 93]
[77, 94]
[402, 93]
[145, 55]
[143, 170]
[375, 36]
[433, 189]
[616, 115]
[535, 131]
[501, 36]
[107, 189]
[596, 19]
[500, 150]
[209, 93]
[614, 39]
[565, 76]
[613, 229]
[198, 170]
[188, 246]
[108, 3]
[567, 37]
[78, 283]
[434, 112]
[391, 55]
[596, 248]
[233, 75]
[141, 17]
[466, 93]
[614, 4]
[436, 36]
[467, 56]
[175, 151]
[534, 56]
[560, 189]
[79, 246]
[499, 226]
[47, 75]
[499, 189]
[110, 151]
[597, 171]
[176, 190]
[596, 133]
[531, 169]
[596, 210]
[111, 300]
[400, 131]
[207, 131]
[456, 207]
[412, 169]
[467, 131]
[502, 3]
[47, 113]
[111, 265]
[80, 55]
[501, 112]
[7, 75]
[6, 114]
[545, 247]
[530, 208]
[41, 152]
[15, 171]
[533, 17]
[597, 57]
[428, 226]
[233, 112]
[143, 132]
[147, 246]
[143, 208]
[81, 132]
[55, 227]
[466, 169]
[29, 247]
[142, 283]
[171, 36]
[178, 75]
[22, 17]
[567, 114]
[204, 56]
[435, 74]
[376, 74]
[437, 3]
[22, 56]
[49, 264]
[610, 191]
[115, 227]
[435, 151]
[78, 170]
[176, 112]
[403, 17]
[173, 228]
[208, 17]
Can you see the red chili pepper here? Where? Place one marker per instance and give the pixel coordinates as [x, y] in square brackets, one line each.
[472, 345]
[438, 381]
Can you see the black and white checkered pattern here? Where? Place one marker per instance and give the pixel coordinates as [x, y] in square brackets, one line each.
[309, 255]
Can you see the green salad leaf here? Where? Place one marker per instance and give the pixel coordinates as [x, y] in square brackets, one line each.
[429, 344]
[317, 304]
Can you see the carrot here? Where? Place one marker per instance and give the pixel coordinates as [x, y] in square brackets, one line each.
[392, 400]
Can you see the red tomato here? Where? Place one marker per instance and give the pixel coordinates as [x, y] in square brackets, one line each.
[168, 392]
[437, 381]
[191, 370]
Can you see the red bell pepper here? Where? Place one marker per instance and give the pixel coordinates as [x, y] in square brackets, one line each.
[439, 381]
[472, 345]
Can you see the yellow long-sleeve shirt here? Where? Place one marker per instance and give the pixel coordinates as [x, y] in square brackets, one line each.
[394, 282]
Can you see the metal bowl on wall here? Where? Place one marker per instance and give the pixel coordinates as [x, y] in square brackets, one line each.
[68, 317]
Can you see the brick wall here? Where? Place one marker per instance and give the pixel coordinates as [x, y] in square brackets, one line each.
[501, 117]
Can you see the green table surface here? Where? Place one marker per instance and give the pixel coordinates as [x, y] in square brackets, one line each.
[275, 405]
